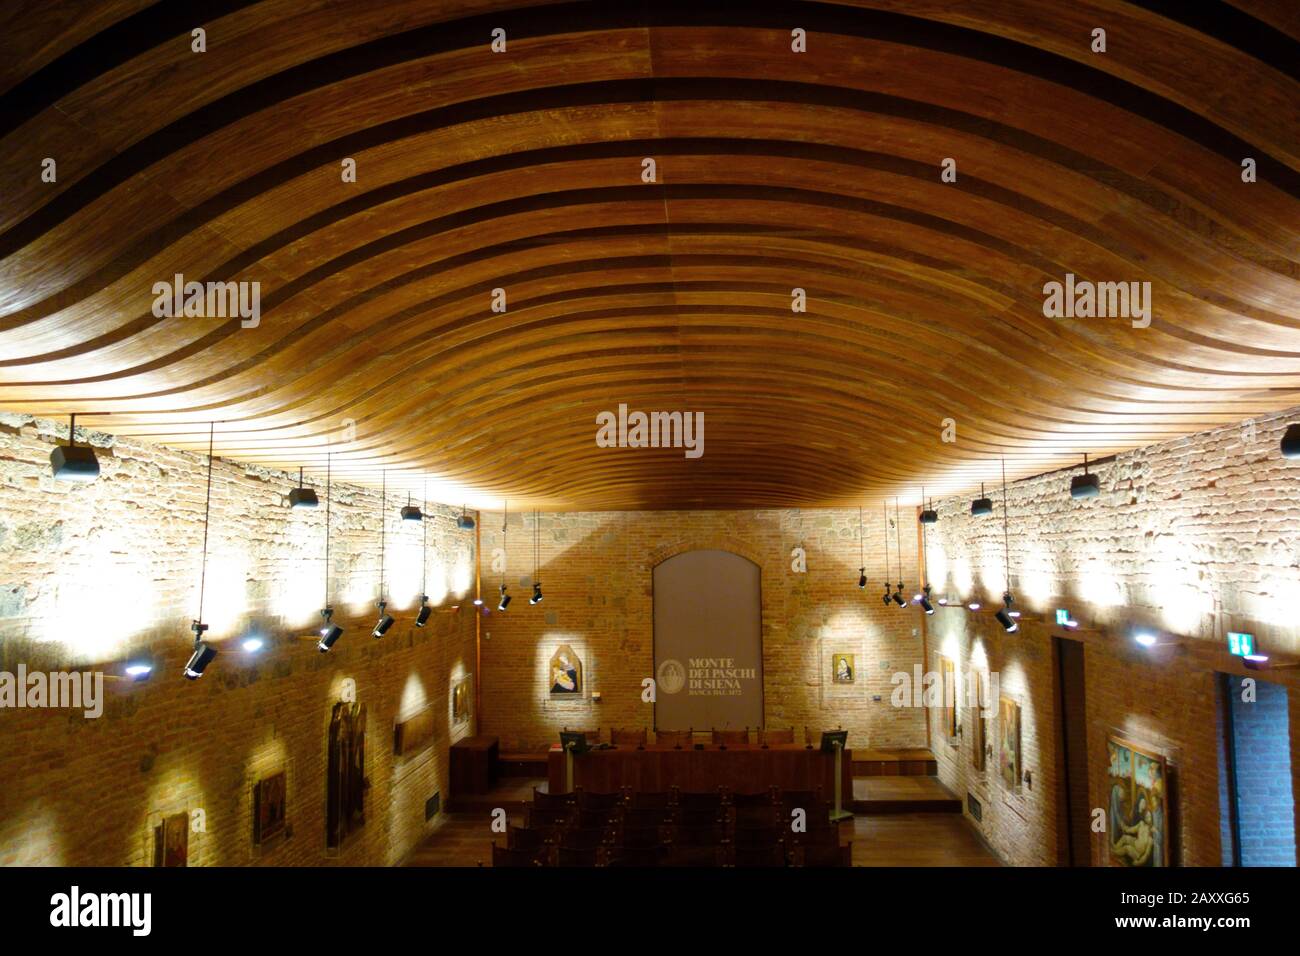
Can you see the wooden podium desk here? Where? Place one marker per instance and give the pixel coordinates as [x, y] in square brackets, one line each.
[742, 768]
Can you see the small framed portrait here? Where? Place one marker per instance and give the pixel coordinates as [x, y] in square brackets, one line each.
[843, 669]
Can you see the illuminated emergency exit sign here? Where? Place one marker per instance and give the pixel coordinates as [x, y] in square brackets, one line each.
[1242, 645]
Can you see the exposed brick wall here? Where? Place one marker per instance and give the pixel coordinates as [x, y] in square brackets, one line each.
[92, 575]
[1192, 537]
[596, 570]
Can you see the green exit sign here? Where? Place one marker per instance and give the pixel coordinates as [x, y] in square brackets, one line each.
[1242, 645]
[1062, 616]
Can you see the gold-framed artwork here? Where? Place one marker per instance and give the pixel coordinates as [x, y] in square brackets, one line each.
[979, 722]
[566, 672]
[171, 841]
[460, 701]
[270, 801]
[1009, 742]
[1137, 813]
[843, 669]
[951, 691]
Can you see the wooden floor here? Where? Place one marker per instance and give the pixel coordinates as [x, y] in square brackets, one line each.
[464, 838]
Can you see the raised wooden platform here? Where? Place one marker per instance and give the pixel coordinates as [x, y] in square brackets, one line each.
[875, 796]
[911, 762]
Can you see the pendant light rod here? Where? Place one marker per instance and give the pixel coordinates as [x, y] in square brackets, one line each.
[898, 541]
[383, 527]
[1006, 537]
[885, 508]
[424, 543]
[505, 522]
[207, 511]
[861, 544]
[328, 459]
[924, 555]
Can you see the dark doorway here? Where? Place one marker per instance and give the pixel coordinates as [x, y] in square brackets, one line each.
[1072, 722]
[1259, 804]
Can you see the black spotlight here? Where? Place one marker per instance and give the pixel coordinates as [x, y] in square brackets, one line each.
[73, 462]
[929, 516]
[537, 593]
[203, 653]
[1085, 485]
[862, 577]
[412, 512]
[1006, 616]
[887, 597]
[505, 599]
[897, 596]
[981, 505]
[1291, 441]
[301, 497]
[422, 618]
[385, 621]
[329, 632]
[465, 522]
[924, 600]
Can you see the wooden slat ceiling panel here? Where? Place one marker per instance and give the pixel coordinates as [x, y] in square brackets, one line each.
[522, 171]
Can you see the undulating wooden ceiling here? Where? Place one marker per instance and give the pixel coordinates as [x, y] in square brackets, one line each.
[523, 170]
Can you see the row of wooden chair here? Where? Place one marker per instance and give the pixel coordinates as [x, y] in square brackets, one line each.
[674, 828]
[639, 737]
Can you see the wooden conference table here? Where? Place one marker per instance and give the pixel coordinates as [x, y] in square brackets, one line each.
[743, 768]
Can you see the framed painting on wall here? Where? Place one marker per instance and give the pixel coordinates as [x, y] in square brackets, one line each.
[345, 789]
[1009, 742]
[979, 725]
[269, 805]
[460, 701]
[951, 694]
[171, 841]
[843, 670]
[1137, 814]
[566, 673]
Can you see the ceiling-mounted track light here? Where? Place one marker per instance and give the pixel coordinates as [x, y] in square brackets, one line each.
[1085, 485]
[505, 599]
[73, 462]
[329, 632]
[301, 497]
[203, 651]
[465, 522]
[897, 596]
[537, 556]
[981, 506]
[862, 571]
[1007, 615]
[385, 620]
[923, 598]
[422, 617]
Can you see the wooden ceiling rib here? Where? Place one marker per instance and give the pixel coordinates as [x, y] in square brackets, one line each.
[522, 170]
